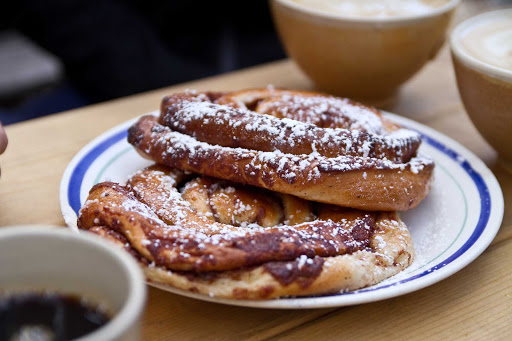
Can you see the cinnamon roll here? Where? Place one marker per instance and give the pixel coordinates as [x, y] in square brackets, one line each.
[225, 239]
[309, 145]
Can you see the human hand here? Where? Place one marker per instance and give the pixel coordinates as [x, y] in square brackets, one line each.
[3, 139]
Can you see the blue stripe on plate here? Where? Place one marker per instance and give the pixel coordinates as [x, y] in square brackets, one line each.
[77, 176]
[75, 181]
[485, 212]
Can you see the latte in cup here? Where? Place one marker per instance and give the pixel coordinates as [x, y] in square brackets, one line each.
[490, 41]
[482, 58]
[373, 8]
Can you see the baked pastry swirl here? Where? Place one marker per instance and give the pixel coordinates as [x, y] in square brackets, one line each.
[310, 145]
[229, 240]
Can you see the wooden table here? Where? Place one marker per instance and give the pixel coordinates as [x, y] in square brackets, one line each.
[475, 303]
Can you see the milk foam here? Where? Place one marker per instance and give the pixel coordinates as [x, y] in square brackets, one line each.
[490, 41]
[373, 8]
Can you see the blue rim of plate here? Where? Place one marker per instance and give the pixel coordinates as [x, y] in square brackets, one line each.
[485, 212]
[79, 171]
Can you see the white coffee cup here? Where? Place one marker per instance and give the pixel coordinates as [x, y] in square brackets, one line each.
[44, 258]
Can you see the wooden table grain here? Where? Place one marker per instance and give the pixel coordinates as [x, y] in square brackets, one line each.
[473, 304]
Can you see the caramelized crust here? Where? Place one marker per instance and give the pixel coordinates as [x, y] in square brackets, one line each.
[174, 224]
[358, 182]
[153, 221]
[310, 145]
[290, 123]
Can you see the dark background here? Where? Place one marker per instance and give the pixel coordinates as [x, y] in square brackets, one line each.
[63, 54]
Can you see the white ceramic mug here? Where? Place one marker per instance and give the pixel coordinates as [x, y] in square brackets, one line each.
[44, 258]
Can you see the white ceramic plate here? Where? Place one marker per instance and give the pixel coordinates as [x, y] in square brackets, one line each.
[450, 228]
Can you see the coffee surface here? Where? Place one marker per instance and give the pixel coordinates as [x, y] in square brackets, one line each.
[373, 8]
[47, 317]
[490, 40]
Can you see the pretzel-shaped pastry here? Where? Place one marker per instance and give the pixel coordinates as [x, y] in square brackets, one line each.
[229, 240]
[313, 146]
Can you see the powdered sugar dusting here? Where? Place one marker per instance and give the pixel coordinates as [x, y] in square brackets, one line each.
[361, 137]
[288, 166]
